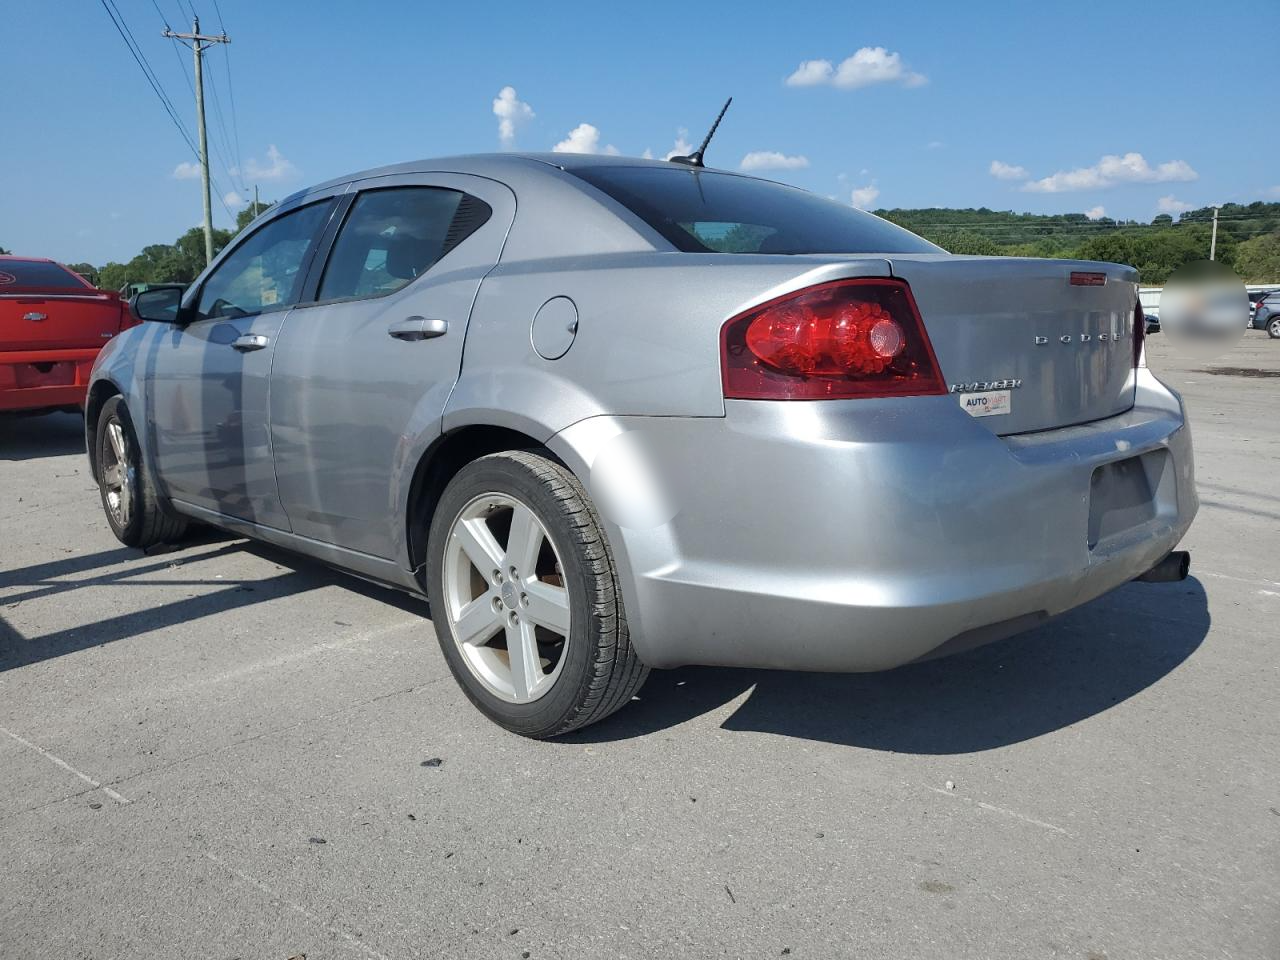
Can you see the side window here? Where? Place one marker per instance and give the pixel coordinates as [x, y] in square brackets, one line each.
[394, 235]
[265, 272]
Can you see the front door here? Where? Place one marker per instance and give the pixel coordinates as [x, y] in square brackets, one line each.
[365, 371]
[208, 409]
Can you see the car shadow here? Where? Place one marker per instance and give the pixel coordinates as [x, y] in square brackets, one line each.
[1072, 668]
[49, 579]
[46, 435]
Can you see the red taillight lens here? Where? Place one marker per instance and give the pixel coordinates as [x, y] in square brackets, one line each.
[1139, 333]
[848, 338]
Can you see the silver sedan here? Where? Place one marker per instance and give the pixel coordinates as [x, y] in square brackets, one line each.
[610, 414]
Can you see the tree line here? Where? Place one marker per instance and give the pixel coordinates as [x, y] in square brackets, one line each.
[1248, 241]
[177, 262]
[1248, 237]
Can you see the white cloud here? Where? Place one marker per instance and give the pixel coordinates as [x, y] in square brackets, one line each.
[811, 73]
[1171, 204]
[934, 145]
[511, 112]
[864, 197]
[868, 66]
[1110, 170]
[1008, 171]
[682, 147]
[276, 167]
[186, 170]
[772, 160]
[234, 200]
[647, 155]
[584, 138]
[1096, 213]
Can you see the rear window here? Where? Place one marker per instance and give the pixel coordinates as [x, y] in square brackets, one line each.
[700, 211]
[37, 274]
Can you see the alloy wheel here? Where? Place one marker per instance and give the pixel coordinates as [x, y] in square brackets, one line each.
[506, 597]
[117, 474]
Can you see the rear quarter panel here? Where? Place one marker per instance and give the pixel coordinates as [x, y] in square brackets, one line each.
[648, 338]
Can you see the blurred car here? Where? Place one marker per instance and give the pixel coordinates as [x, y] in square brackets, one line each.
[53, 322]
[1267, 315]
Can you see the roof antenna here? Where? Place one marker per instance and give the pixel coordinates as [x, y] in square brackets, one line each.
[695, 159]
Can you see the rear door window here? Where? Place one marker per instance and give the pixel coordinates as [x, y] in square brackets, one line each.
[703, 211]
[265, 272]
[18, 275]
[394, 235]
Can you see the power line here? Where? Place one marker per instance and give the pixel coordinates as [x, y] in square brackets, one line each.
[231, 92]
[147, 72]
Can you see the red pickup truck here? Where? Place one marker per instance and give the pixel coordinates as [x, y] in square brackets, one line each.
[52, 324]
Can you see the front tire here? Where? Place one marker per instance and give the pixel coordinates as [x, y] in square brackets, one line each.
[131, 503]
[525, 597]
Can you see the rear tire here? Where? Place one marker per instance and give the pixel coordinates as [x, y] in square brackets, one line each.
[561, 603]
[132, 505]
[1273, 328]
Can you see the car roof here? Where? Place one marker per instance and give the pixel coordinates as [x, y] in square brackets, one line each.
[12, 256]
[500, 165]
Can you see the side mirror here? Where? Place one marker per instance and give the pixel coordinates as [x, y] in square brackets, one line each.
[160, 305]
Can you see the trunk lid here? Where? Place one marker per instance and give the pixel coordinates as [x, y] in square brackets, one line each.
[1023, 346]
[58, 321]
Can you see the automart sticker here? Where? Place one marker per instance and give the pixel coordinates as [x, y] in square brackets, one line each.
[987, 404]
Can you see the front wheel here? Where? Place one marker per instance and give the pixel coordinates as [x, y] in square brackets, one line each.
[129, 500]
[525, 598]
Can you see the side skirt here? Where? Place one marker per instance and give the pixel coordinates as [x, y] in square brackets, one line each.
[384, 572]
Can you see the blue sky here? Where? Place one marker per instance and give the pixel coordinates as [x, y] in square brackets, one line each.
[913, 105]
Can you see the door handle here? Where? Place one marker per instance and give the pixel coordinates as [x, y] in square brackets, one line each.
[249, 342]
[418, 328]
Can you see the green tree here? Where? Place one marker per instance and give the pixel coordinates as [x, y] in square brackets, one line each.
[965, 242]
[250, 213]
[86, 270]
[1257, 260]
[179, 262]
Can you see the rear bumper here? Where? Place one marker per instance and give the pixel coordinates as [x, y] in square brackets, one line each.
[44, 379]
[861, 535]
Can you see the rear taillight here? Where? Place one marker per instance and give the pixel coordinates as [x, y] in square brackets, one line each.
[838, 340]
[1139, 335]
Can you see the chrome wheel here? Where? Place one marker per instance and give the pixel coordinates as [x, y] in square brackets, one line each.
[117, 475]
[505, 597]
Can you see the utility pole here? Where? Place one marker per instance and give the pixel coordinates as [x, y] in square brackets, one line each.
[1213, 241]
[256, 210]
[198, 42]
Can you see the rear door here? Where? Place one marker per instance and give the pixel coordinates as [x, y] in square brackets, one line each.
[365, 370]
[208, 381]
[1050, 341]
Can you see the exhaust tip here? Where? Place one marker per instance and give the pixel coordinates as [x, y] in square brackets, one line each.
[1174, 567]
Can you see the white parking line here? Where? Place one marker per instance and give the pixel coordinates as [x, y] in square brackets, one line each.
[1223, 576]
[1002, 810]
[65, 766]
[296, 908]
[286, 658]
